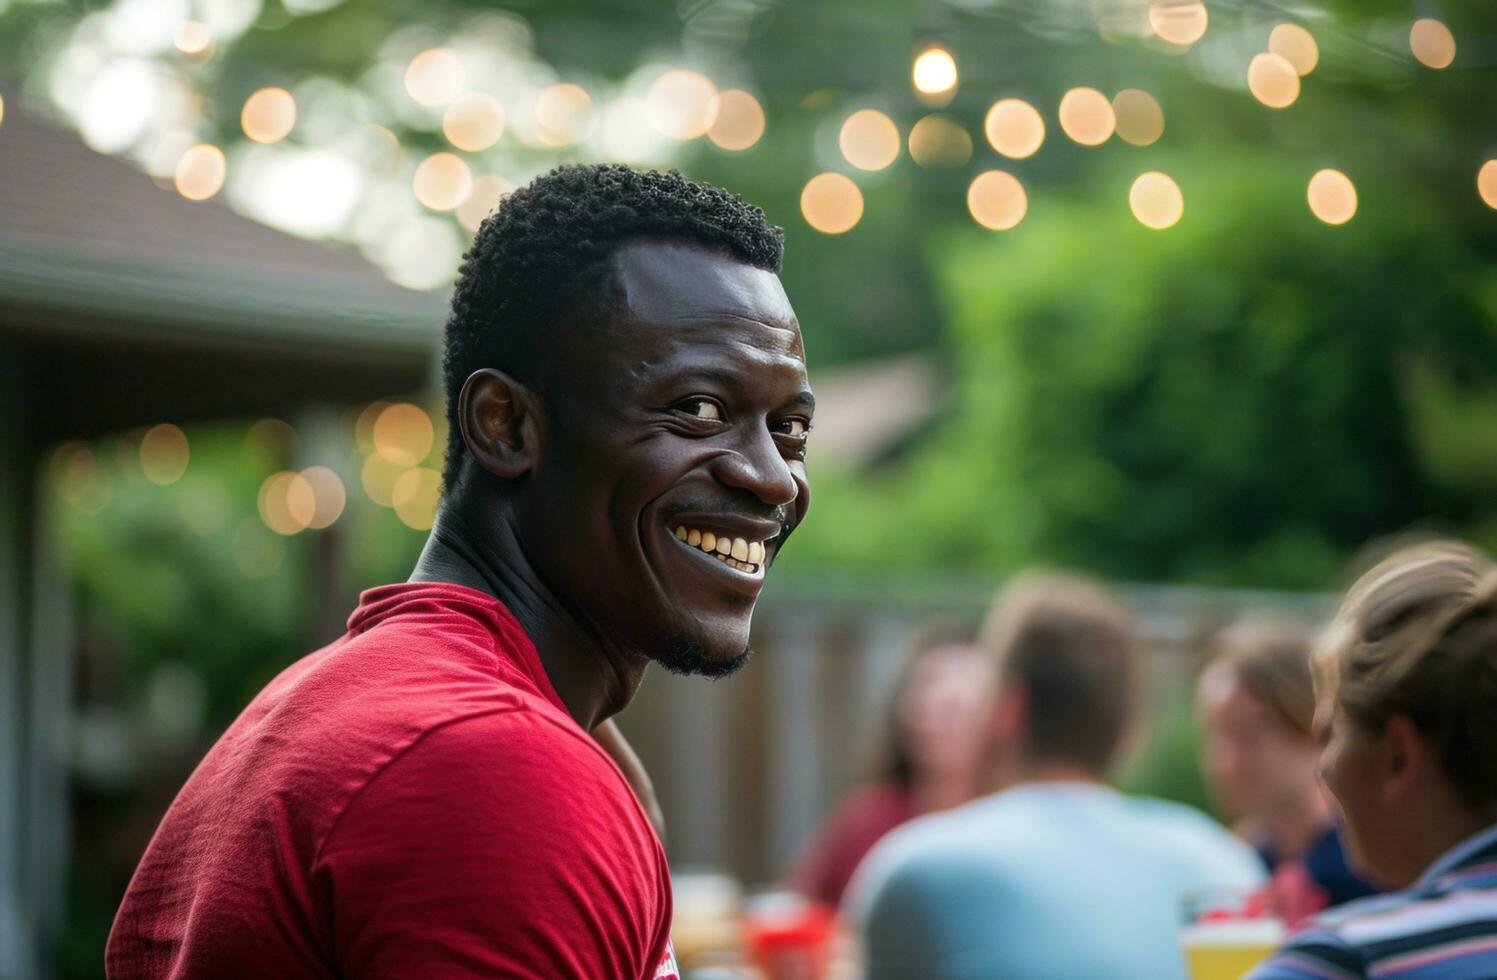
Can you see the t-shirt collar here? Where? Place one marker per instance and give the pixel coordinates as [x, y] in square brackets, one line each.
[1480, 846]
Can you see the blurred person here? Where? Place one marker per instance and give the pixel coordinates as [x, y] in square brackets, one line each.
[1406, 685]
[930, 762]
[1256, 703]
[628, 407]
[1053, 874]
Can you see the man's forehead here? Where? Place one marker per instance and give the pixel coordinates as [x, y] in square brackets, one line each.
[669, 285]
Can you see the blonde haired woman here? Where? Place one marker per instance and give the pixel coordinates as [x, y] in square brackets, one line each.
[1406, 683]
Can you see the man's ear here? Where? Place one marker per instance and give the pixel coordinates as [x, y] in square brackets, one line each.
[1404, 758]
[499, 418]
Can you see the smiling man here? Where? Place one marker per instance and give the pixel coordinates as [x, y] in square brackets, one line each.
[628, 406]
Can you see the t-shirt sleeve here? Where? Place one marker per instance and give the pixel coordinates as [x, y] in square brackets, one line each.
[493, 847]
[1315, 954]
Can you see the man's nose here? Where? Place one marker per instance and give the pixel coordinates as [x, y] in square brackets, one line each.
[756, 465]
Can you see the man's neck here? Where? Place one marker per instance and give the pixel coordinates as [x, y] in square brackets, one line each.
[1025, 772]
[1297, 824]
[592, 680]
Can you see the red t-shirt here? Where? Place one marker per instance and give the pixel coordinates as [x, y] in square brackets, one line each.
[845, 837]
[410, 801]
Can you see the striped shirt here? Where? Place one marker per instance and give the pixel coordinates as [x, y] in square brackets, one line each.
[1444, 927]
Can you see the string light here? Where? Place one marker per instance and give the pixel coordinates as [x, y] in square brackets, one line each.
[1432, 43]
[1086, 116]
[997, 200]
[442, 182]
[739, 122]
[268, 115]
[1332, 197]
[1273, 80]
[474, 122]
[1156, 201]
[869, 140]
[201, 172]
[1014, 128]
[934, 72]
[1295, 45]
[1486, 183]
[1140, 120]
[1178, 21]
[831, 203]
[937, 142]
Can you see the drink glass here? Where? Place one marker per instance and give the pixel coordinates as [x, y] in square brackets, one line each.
[1229, 933]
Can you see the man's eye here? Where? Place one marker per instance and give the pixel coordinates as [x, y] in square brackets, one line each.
[702, 408]
[795, 428]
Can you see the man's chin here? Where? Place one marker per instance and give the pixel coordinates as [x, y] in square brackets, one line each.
[690, 657]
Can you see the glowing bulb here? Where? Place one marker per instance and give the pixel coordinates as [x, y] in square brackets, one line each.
[163, 454]
[442, 182]
[1156, 200]
[403, 434]
[1140, 120]
[934, 72]
[831, 203]
[1332, 197]
[287, 502]
[435, 77]
[1273, 80]
[485, 196]
[328, 496]
[474, 122]
[1486, 183]
[936, 142]
[997, 200]
[1178, 21]
[1432, 43]
[682, 104]
[1086, 116]
[201, 172]
[1014, 128]
[739, 122]
[268, 115]
[563, 114]
[193, 38]
[1295, 45]
[869, 140]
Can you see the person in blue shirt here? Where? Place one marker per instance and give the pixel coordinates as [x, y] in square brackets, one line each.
[1406, 681]
[1053, 875]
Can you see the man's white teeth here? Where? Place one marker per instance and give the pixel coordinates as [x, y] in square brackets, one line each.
[739, 553]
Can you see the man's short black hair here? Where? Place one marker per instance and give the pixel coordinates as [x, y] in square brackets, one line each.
[543, 256]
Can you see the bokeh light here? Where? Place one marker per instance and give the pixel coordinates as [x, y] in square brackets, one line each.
[485, 196]
[739, 123]
[1432, 43]
[1273, 80]
[363, 427]
[268, 115]
[201, 172]
[934, 72]
[403, 434]
[1332, 197]
[997, 200]
[435, 77]
[378, 476]
[287, 502]
[1295, 45]
[1178, 21]
[328, 495]
[273, 439]
[869, 140]
[1014, 128]
[563, 114]
[442, 182]
[2, 110]
[76, 473]
[194, 38]
[1486, 183]
[831, 203]
[1140, 120]
[474, 122]
[163, 454]
[938, 142]
[414, 497]
[1086, 116]
[682, 104]
[1156, 200]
